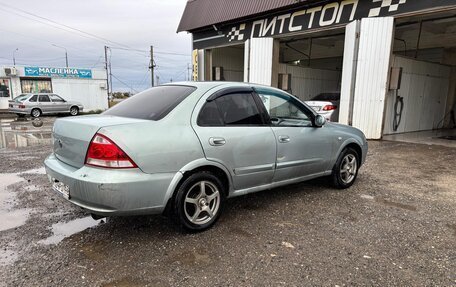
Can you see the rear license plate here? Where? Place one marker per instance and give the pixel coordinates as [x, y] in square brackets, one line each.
[317, 109]
[61, 188]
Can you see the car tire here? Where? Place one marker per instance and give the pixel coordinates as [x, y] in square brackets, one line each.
[199, 201]
[36, 113]
[74, 111]
[346, 169]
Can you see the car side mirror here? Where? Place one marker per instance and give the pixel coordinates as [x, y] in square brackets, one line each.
[320, 121]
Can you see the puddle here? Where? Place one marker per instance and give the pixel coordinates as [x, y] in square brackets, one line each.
[41, 170]
[62, 230]
[10, 218]
[396, 204]
[24, 132]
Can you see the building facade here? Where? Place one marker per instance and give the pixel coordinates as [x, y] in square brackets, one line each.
[392, 61]
[88, 86]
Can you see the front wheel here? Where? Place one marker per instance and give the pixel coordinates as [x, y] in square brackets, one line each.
[74, 111]
[199, 201]
[345, 170]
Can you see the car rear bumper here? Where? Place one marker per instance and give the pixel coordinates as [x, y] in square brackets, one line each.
[111, 192]
[19, 111]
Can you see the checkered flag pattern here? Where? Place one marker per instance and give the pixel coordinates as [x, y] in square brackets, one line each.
[235, 34]
[391, 5]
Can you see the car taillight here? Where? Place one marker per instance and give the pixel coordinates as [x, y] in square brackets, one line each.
[329, 108]
[103, 152]
[21, 106]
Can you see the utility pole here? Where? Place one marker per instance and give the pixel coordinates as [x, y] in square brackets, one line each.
[66, 53]
[14, 56]
[152, 66]
[157, 80]
[188, 71]
[106, 67]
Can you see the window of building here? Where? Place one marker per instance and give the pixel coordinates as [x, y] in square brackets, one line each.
[36, 85]
[5, 88]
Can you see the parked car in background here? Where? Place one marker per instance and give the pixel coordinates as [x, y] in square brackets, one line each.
[327, 105]
[37, 104]
[186, 147]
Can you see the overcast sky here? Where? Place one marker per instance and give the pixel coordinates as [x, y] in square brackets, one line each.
[131, 24]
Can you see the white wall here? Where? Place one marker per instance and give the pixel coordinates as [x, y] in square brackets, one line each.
[307, 82]
[261, 61]
[88, 92]
[424, 89]
[232, 61]
[372, 71]
[350, 61]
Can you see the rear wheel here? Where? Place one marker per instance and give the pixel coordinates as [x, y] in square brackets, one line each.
[36, 113]
[199, 201]
[345, 170]
[74, 111]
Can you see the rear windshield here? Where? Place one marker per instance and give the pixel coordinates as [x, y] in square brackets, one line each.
[152, 104]
[21, 98]
[327, 97]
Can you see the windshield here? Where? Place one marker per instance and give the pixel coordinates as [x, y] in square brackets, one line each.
[21, 98]
[152, 104]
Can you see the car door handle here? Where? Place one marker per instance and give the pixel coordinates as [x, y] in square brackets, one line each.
[217, 141]
[284, 139]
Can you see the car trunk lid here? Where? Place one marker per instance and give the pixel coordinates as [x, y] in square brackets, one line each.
[72, 136]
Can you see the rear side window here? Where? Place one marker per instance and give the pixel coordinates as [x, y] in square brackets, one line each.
[44, 98]
[20, 98]
[33, 99]
[231, 110]
[152, 104]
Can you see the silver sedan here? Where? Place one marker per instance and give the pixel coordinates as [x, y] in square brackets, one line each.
[37, 104]
[187, 147]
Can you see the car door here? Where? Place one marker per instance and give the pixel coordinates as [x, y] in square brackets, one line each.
[302, 149]
[59, 105]
[234, 133]
[45, 104]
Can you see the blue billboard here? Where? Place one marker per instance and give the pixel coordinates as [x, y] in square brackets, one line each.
[58, 72]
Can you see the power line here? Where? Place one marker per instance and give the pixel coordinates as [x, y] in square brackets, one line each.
[125, 84]
[99, 38]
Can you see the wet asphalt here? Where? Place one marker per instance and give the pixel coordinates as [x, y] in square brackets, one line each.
[396, 226]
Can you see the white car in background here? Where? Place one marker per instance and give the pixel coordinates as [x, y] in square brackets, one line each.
[327, 105]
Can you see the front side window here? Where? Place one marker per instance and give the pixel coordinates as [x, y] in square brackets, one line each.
[33, 99]
[44, 98]
[283, 109]
[56, 99]
[152, 104]
[237, 109]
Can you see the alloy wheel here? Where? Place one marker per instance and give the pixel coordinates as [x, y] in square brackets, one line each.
[348, 168]
[202, 202]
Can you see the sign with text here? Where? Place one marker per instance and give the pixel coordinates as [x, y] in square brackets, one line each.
[308, 17]
[58, 72]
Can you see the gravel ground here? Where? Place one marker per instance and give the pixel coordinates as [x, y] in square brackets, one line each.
[395, 226]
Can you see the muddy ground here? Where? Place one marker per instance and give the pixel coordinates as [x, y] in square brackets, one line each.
[395, 226]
